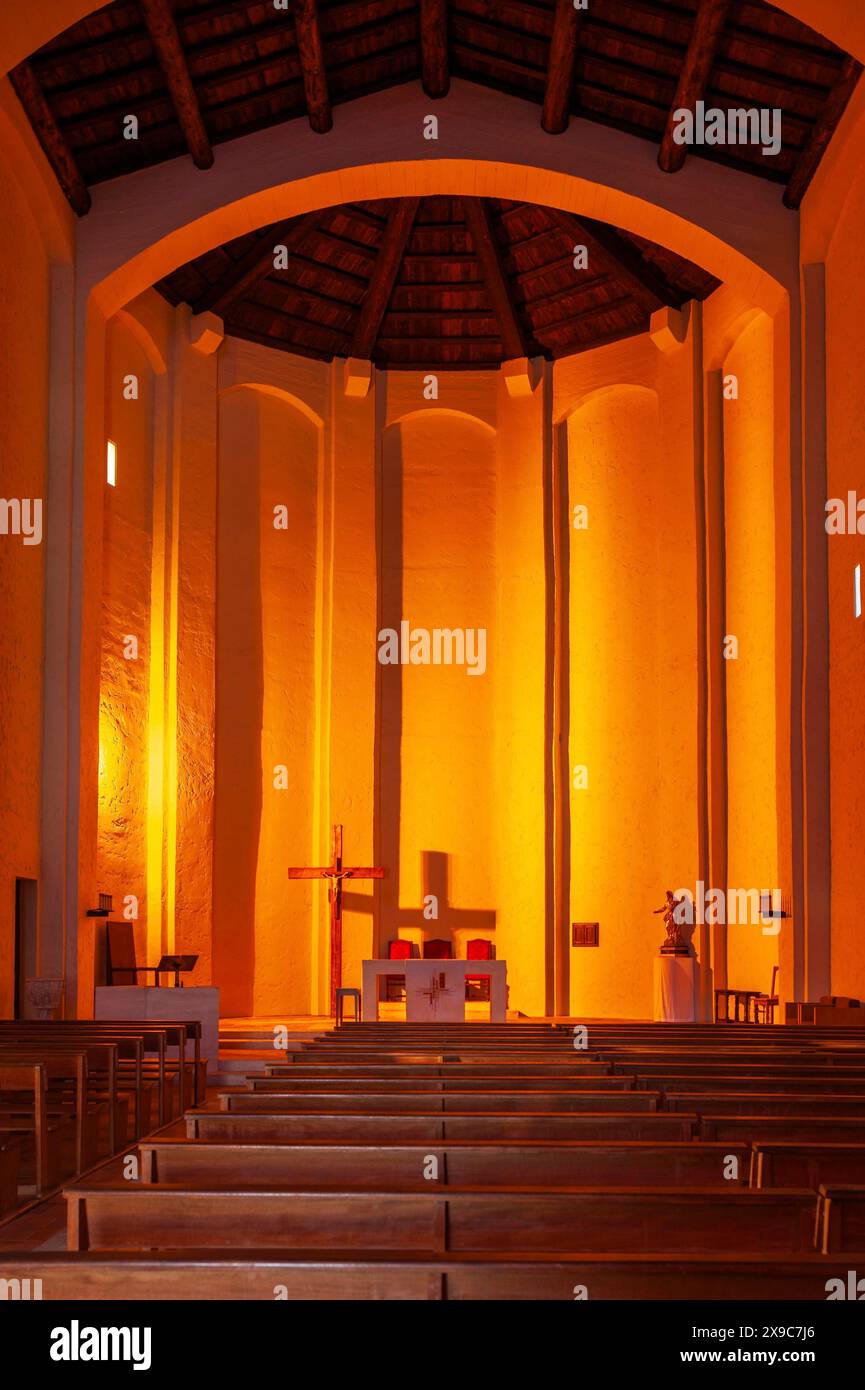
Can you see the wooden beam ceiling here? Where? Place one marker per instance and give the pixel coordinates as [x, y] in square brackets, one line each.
[434, 47]
[833, 109]
[621, 260]
[394, 240]
[50, 137]
[257, 263]
[311, 54]
[560, 69]
[159, 18]
[514, 341]
[694, 77]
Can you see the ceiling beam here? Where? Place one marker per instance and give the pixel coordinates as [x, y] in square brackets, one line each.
[385, 271]
[560, 67]
[50, 137]
[609, 250]
[434, 47]
[694, 77]
[514, 341]
[311, 54]
[165, 36]
[242, 275]
[815, 147]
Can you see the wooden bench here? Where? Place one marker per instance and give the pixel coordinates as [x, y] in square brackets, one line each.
[264, 1275]
[765, 1103]
[587, 1102]
[805, 1164]
[123, 1216]
[10, 1166]
[279, 1126]
[463, 1162]
[834, 1129]
[840, 1218]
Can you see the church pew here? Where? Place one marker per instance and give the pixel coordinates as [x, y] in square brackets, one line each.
[840, 1218]
[765, 1103]
[829, 1129]
[10, 1164]
[100, 1081]
[380, 1071]
[398, 1276]
[805, 1164]
[123, 1216]
[277, 1127]
[383, 1086]
[587, 1102]
[465, 1163]
[745, 1081]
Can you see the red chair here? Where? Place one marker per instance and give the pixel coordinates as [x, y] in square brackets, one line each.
[394, 985]
[438, 950]
[478, 986]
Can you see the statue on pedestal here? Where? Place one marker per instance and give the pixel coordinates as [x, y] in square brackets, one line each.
[675, 944]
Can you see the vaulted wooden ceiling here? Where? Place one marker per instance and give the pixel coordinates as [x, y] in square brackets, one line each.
[438, 281]
[198, 72]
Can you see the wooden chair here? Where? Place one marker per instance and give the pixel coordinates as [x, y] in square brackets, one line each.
[478, 986]
[121, 956]
[437, 950]
[394, 985]
[766, 1004]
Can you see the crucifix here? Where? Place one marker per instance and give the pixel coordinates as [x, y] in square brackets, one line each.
[335, 873]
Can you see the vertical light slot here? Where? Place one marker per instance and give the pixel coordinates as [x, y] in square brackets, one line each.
[857, 591]
[111, 463]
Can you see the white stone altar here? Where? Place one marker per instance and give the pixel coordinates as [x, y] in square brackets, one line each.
[435, 989]
[150, 1004]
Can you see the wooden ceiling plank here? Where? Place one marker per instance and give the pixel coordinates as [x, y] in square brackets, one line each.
[312, 65]
[435, 59]
[560, 69]
[165, 36]
[50, 137]
[514, 340]
[385, 271]
[824, 128]
[240, 277]
[610, 251]
[694, 77]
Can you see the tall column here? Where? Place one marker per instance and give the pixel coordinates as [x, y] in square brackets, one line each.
[815, 611]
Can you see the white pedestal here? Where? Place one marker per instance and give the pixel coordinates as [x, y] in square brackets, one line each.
[150, 1004]
[674, 992]
[435, 990]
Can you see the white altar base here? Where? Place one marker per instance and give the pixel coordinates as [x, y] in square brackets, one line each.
[674, 989]
[150, 1004]
[435, 989]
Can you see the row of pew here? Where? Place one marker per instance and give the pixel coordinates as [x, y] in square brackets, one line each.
[521, 1161]
[72, 1093]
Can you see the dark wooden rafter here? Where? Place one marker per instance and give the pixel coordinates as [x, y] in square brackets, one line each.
[833, 109]
[515, 342]
[50, 137]
[311, 54]
[694, 77]
[164, 34]
[561, 65]
[243, 275]
[394, 240]
[435, 68]
[622, 261]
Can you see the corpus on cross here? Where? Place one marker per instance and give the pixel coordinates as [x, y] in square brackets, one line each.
[336, 873]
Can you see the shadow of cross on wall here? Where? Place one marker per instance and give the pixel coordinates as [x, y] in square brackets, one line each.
[435, 877]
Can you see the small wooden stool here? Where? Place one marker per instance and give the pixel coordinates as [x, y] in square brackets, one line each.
[341, 996]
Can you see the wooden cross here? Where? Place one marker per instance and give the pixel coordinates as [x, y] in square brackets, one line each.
[336, 872]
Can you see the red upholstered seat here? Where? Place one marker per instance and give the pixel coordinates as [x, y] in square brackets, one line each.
[437, 950]
[399, 950]
[478, 986]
